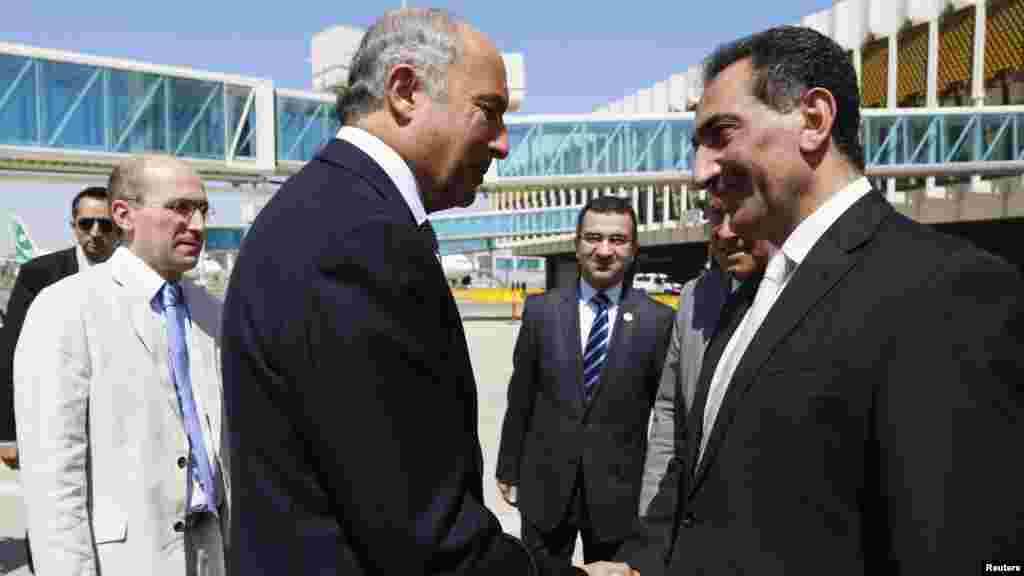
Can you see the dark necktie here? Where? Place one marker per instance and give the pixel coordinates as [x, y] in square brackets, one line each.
[429, 236]
[597, 345]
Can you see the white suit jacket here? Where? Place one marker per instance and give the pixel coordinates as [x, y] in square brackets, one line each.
[100, 437]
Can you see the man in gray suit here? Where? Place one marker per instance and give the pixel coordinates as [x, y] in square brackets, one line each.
[731, 262]
[117, 390]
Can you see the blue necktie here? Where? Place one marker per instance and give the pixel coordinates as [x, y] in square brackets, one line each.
[174, 315]
[597, 345]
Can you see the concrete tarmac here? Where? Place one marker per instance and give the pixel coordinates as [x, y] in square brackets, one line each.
[491, 335]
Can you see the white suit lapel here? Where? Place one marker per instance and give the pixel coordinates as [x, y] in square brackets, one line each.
[149, 329]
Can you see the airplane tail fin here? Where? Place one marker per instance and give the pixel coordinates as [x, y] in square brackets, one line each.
[24, 248]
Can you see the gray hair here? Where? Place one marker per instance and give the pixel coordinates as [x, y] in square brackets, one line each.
[425, 39]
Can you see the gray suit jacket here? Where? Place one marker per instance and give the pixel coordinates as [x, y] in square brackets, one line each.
[101, 440]
[700, 303]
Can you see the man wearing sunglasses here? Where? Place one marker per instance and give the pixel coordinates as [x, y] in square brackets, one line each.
[118, 395]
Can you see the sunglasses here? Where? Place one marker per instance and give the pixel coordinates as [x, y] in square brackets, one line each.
[85, 224]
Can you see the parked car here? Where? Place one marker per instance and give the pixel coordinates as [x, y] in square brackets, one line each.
[656, 283]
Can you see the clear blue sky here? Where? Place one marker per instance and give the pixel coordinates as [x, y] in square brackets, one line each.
[578, 55]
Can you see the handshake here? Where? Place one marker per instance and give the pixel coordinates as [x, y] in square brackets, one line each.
[508, 494]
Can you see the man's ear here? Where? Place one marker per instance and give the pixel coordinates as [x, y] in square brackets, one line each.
[122, 215]
[819, 114]
[400, 92]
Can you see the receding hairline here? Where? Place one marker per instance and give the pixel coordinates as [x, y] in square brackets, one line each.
[131, 177]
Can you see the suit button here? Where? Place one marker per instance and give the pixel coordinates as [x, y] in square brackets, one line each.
[182, 461]
[689, 521]
[179, 526]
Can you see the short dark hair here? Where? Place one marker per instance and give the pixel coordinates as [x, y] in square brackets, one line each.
[787, 61]
[606, 205]
[96, 192]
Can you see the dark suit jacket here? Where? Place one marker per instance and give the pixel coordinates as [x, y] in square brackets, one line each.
[550, 432]
[873, 425]
[33, 276]
[349, 390]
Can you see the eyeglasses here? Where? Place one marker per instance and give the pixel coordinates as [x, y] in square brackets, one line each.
[186, 207]
[85, 224]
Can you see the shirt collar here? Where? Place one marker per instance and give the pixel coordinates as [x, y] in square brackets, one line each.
[807, 233]
[587, 292]
[393, 165]
[144, 278]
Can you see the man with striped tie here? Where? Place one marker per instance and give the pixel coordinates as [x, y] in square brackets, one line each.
[586, 368]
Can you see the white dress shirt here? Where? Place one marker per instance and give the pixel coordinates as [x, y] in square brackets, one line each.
[781, 266]
[588, 310]
[393, 165]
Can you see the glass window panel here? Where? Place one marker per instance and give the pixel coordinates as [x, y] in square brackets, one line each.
[997, 136]
[73, 106]
[303, 127]
[955, 128]
[138, 112]
[197, 118]
[18, 120]
[923, 142]
[235, 98]
[223, 238]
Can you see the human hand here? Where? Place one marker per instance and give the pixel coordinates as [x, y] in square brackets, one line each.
[508, 492]
[9, 456]
[609, 569]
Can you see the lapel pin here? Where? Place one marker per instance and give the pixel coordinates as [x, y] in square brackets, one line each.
[627, 317]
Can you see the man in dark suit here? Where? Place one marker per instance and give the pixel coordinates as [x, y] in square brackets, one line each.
[860, 411]
[95, 238]
[586, 368]
[348, 384]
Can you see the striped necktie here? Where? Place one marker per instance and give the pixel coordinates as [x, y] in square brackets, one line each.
[597, 345]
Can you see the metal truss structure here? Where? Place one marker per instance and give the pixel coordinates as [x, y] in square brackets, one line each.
[67, 113]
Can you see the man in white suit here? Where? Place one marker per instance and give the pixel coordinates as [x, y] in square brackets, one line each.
[118, 396]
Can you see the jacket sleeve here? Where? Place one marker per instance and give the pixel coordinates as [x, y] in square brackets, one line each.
[521, 395]
[948, 423]
[30, 281]
[661, 437]
[52, 371]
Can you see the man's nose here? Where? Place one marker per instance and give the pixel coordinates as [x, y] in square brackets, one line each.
[725, 230]
[197, 221]
[499, 146]
[705, 167]
[604, 247]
